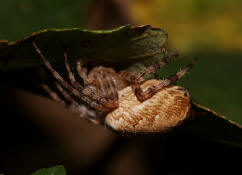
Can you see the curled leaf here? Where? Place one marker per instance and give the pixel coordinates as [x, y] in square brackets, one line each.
[121, 45]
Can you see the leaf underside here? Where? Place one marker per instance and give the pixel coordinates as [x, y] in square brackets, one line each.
[122, 45]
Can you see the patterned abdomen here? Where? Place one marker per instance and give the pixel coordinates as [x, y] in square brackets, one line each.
[164, 110]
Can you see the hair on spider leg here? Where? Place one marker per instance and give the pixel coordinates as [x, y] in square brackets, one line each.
[187, 68]
[89, 98]
[54, 95]
[80, 109]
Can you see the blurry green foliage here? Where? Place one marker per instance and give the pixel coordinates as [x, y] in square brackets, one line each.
[196, 24]
[57, 170]
[21, 18]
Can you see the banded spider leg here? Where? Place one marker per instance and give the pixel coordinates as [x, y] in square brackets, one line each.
[89, 94]
[81, 110]
[135, 81]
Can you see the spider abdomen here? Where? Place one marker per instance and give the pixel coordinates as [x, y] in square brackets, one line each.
[163, 110]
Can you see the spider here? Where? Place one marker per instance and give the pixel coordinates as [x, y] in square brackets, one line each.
[122, 100]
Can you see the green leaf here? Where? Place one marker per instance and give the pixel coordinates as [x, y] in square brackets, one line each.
[57, 170]
[121, 45]
[207, 123]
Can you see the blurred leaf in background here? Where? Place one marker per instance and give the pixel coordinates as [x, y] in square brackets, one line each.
[211, 31]
[57, 170]
[21, 18]
[195, 25]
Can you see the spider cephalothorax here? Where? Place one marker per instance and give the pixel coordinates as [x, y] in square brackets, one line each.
[128, 102]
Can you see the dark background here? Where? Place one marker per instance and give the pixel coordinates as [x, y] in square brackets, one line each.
[36, 132]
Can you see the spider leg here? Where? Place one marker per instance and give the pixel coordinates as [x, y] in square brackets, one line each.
[88, 95]
[57, 76]
[101, 89]
[114, 92]
[101, 85]
[81, 110]
[106, 85]
[107, 92]
[54, 95]
[75, 84]
[138, 78]
[82, 71]
[63, 82]
[144, 95]
[91, 93]
[97, 95]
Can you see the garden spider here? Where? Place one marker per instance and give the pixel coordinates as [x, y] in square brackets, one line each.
[127, 101]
